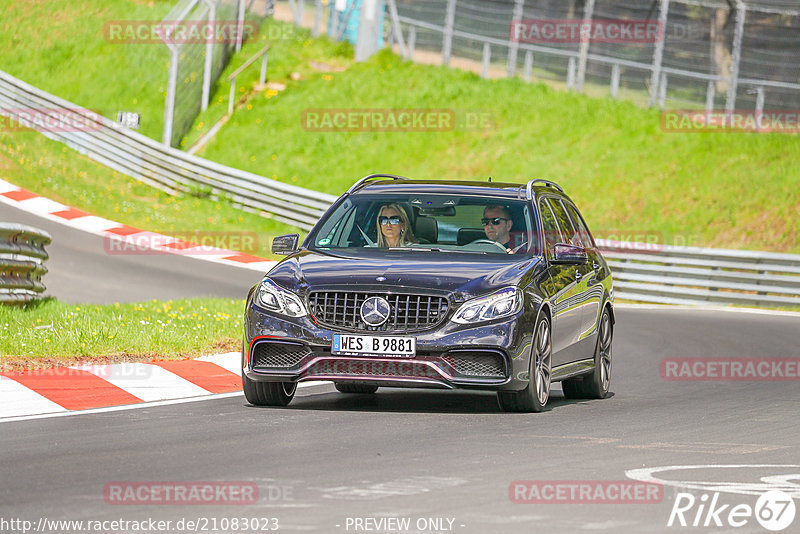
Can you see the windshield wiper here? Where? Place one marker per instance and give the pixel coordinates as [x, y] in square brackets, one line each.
[422, 249]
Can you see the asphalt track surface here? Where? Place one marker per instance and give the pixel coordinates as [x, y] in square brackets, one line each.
[82, 271]
[429, 453]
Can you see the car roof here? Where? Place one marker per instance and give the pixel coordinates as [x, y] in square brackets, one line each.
[490, 189]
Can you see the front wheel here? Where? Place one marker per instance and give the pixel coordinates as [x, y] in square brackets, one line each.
[268, 393]
[535, 396]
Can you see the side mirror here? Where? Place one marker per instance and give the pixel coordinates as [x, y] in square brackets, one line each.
[564, 254]
[285, 244]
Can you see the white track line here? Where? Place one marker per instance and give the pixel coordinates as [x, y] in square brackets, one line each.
[139, 406]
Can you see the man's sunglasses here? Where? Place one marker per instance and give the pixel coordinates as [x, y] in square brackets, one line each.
[494, 221]
[393, 220]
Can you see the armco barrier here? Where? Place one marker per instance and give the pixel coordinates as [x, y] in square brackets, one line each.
[22, 257]
[167, 168]
[691, 275]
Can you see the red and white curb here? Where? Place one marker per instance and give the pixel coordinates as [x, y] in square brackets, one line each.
[127, 236]
[84, 387]
[97, 388]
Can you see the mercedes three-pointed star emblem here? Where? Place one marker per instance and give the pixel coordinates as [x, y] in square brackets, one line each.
[375, 311]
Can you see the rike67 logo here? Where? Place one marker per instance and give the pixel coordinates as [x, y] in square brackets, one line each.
[728, 497]
[774, 510]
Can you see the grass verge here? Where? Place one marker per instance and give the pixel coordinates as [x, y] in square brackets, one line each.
[47, 333]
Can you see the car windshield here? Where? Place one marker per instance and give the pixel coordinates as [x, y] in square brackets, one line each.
[432, 223]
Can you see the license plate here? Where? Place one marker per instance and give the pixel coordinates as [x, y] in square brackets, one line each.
[356, 345]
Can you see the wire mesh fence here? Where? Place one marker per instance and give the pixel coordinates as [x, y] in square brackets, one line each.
[201, 36]
[712, 54]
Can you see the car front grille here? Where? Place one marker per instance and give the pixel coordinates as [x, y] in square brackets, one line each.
[281, 355]
[476, 363]
[342, 309]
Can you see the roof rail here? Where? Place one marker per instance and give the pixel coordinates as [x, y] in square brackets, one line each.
[362, 182]
[548, 183]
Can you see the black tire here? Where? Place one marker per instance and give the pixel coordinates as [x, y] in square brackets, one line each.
[596, 384]
[345, 387]
[268, 393]
[535, 396]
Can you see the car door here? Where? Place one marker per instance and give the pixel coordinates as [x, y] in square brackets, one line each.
[566, 311]
[591, 279]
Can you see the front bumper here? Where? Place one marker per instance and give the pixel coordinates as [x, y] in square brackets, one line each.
[491, 356]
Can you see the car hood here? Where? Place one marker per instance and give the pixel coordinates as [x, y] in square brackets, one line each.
[463, 275]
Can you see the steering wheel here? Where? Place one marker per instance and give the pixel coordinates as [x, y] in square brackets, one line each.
[488, 242]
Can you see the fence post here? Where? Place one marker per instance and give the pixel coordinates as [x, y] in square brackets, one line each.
[449, 23]
[315, 31]
[231, 96]
[614, 80]
[571, 73]
[736, 56]
[662, 91]
[169, 109]
[658, 54]
[528, 65]
[212, 17]
[710, 93]
[367, 39]
[262, 78]
[487, 57]
[759, 100]
[240, 24]
[412, 40]
[395, 21]
[514, 43]
[584, 53]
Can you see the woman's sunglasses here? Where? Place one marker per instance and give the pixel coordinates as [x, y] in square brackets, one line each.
[393, 220]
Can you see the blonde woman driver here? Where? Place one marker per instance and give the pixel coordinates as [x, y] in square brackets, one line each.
[394, 228]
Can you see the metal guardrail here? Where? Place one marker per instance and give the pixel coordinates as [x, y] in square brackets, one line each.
[22, 257]
[647, 272]
[169, 169]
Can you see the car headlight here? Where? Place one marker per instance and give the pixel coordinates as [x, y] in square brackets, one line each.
[503, 303]
[272, 297]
